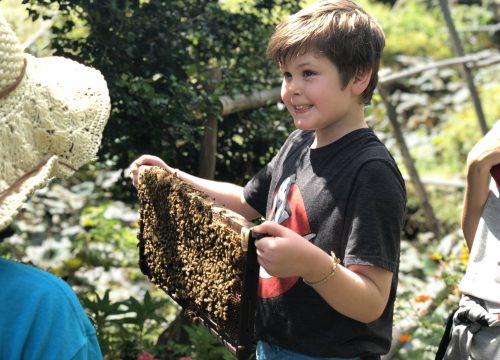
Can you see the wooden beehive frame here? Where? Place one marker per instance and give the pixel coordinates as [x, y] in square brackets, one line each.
[193, 249]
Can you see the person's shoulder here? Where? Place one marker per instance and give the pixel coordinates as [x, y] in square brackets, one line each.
[59, 314]
[36, 280]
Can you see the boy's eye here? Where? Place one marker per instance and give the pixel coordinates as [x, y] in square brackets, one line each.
[286, 75]
[308, 73]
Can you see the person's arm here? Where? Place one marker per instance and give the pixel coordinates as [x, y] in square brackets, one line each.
[227, 194]
[359, 292]
[476, 193]
[483, 156]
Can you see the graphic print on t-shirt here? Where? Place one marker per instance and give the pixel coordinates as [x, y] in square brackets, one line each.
[288, 210]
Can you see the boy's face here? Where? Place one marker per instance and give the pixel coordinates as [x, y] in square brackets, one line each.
[312, 92]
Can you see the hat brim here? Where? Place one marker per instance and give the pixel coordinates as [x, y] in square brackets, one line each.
[12, 203]
[50, 126]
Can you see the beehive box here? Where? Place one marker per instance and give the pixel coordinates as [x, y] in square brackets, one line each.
[191, 247]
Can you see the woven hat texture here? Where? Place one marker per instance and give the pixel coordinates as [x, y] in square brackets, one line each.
[52, 114]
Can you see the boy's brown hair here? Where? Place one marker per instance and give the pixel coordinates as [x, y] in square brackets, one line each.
[340, 30]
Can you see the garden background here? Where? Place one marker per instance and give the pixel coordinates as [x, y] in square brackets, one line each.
[168, 63]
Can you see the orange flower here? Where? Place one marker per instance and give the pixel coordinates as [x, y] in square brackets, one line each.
[422, 298]
[404, 338]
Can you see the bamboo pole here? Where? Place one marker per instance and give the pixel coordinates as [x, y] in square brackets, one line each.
[231, 105]
[467, 73]
[476, 60]
[409, 163]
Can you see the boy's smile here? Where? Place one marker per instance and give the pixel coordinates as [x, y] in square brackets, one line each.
[312, 93]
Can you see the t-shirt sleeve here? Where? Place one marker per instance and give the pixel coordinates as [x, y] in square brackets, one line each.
[257, 189]
[376, 214]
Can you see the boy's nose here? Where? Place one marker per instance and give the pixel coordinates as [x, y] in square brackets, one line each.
[294, 88]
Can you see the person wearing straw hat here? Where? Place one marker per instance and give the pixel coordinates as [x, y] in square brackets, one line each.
[52, 114]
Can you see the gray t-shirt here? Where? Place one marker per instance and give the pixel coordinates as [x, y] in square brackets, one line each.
[482, 277]
[347, 197]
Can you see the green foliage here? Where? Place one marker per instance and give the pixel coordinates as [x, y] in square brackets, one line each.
[417, 28]
[103, 235]
[96, 246]
[127, 328]
[203, 345]
[424, 264]
[454, 138]
[415, 21]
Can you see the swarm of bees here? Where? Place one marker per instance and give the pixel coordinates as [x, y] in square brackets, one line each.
[190, 247]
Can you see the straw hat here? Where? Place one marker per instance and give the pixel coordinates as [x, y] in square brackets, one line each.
[52, 114]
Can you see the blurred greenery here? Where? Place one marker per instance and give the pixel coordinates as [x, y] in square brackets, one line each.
[157, 57]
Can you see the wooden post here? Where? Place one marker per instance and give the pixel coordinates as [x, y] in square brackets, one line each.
[467, 73]
[409, 163]
[208, 149]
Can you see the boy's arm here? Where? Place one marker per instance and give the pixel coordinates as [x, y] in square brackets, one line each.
[483, 156]
[359, 292]
[227, 194]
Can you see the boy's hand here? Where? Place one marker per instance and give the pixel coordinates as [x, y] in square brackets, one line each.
[145, 160]
[283, 253]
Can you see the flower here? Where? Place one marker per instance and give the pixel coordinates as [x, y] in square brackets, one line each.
[422, 298]
[404, 338]
[185, 358]
[464, 257]
[146, 356]
[436, 256]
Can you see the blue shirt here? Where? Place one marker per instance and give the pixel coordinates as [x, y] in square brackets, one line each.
[41, 317]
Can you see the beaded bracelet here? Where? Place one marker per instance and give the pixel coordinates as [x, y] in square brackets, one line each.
[335, 262]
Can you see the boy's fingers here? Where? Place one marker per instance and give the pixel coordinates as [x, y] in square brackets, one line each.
[141, 160]
[264, 228]
[134, 175]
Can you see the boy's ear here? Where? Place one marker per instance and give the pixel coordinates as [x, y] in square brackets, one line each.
[360, 81]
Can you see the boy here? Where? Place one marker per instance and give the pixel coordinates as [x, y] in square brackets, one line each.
[476, 323]
[52, 114]
[333, 196]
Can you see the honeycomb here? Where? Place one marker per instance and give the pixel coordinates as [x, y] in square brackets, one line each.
[191, 248]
